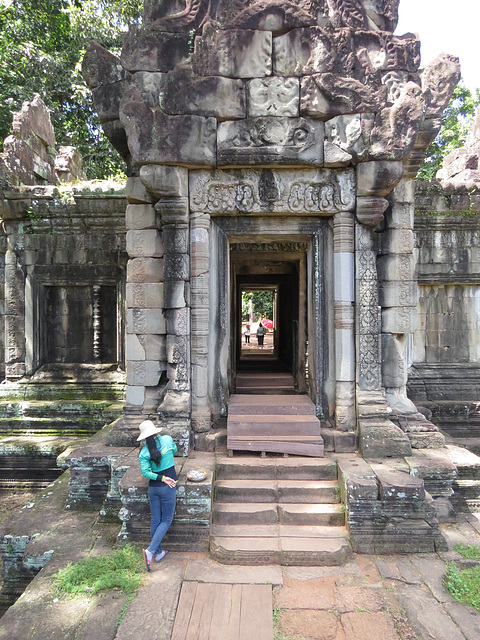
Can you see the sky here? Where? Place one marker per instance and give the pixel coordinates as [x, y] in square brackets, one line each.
[445, 26]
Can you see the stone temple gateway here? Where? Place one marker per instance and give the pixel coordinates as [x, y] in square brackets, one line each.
[282, 138]
[271, 146]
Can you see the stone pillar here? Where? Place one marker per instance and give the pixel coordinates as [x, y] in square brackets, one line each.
[344, 283]
[397, 293]
[200, 324]
[145, 352]
[367, 309]
[14, 317]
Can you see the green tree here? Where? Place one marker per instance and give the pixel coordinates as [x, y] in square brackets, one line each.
[42, 43]
[456, 124]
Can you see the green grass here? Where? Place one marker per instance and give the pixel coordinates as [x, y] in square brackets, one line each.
[122, 569]
[469, 551]
[464, 584]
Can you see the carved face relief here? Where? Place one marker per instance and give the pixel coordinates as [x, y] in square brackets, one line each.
[394, 81]
[273, 97]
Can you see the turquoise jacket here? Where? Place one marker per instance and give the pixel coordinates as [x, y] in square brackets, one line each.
[167, 448]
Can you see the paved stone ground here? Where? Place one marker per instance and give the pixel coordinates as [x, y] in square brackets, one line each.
[369, 598]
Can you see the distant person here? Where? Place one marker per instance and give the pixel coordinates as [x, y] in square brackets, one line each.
[157, 464]
[246, 333]
[260, 334]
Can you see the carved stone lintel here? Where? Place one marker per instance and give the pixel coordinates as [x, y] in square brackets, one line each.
[314, 191]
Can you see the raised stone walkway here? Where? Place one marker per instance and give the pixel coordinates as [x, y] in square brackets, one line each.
[368, 598]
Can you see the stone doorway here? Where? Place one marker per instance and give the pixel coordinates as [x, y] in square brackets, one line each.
[259, 268]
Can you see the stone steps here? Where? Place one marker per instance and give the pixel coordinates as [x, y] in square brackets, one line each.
[276, 423]
[278, 511]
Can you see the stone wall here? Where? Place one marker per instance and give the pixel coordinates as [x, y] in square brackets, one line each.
[64, 275]
[445, 357]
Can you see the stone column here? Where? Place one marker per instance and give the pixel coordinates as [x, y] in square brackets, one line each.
[145, 350]
[367, 310]
[398, 293]
[344, 283]
[199, 292]
[14, 317]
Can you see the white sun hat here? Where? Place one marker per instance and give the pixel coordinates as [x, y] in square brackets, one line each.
[147, 428]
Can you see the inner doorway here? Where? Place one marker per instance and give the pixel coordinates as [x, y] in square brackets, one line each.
[267, 288]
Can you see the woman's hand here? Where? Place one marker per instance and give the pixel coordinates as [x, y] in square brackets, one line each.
[169, 482]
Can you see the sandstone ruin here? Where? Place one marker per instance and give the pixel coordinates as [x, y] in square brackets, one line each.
[269, 145]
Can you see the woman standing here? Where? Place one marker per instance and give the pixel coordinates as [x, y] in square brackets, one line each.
[157, 464]
[260, 335]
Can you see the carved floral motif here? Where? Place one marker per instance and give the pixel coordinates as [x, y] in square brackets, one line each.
[317, 192]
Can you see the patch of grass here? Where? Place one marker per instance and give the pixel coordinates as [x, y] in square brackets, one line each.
[122, 569]
[464, 584]
[469, 551]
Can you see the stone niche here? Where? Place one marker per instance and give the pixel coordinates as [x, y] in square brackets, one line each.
[256, 124]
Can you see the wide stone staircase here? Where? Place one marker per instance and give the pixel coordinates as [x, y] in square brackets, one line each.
[277, 510]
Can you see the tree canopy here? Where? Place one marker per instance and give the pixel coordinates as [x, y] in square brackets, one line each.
[42, 43]
[456, 125]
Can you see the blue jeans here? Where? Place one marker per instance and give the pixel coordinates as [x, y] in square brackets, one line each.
[162, 507]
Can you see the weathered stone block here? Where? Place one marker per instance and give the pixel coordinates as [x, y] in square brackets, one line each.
[302, 52]
[175, 404]
[396, 127]
[154, 346]
[326, 95]
[398, 268]
[394, 368]
[145, 270]
[377, 179]
[398, 293]
[273, 97]
[178, 322]
[169, 182]
[100, 67]
[439, 79]
[175, 238]
[397, 241]
[33, 120]
[146, 373]
[351, 134]
[145, 50]
[333, 156]
[136, 191]
[175, 294]
[370, 210]
[400, 216]
[145, 295]
[222, 98]
[134, 349]
[395, 485]
[382, 439]
[270, 140]
[135, 395]
[233, 53]
[173, 210]
[140, 216]
[150, 85]
[399, 319]
[155, 137]
[107, 100]
[145, 243]
[176, 266]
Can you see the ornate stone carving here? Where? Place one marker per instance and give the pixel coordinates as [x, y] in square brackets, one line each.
[351, 133]
[154, 137]
[307, 51]
[233, 53]
[325, 96]
[323, 192]
[439, 80]
[397, 126]
[204, 96]
[270, 141]
[274, 15]
[273, 97]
